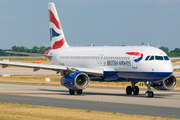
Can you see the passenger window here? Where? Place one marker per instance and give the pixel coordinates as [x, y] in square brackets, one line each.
[147, 57]
[158, 57]
[166, 58]
[151, 58]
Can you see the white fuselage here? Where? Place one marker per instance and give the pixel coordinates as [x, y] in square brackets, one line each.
[115, 59]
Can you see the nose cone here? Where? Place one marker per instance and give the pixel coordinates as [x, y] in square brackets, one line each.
[162, 66]
[165, 69]
[161, 70]
[167, 66]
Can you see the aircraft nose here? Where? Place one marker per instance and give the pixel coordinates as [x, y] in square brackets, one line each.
[166, 70]
[166, 66]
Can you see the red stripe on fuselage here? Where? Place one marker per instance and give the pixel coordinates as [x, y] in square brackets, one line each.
[54, 20]
[135, 53]
[58, 44]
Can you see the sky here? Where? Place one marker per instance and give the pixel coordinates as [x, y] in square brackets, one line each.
[100, 22]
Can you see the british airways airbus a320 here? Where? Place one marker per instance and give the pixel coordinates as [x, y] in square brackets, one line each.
[79, 65]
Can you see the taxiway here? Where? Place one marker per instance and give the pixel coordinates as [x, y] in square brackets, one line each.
[164, 103]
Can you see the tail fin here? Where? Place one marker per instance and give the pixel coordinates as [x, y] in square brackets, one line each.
[56, 33]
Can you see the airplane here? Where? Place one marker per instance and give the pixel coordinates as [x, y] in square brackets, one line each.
[79, 65]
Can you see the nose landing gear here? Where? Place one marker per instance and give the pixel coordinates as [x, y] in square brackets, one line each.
[149, 93]
[134, 89]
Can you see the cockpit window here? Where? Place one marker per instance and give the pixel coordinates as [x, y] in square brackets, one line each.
[147, 57]
[158, 57]
[166, 58]
[151, 58]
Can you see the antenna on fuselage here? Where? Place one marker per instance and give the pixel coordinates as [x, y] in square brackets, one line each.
[158, 46]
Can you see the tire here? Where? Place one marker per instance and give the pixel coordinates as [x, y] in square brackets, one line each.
[147, 94]
[79, 92]
[129, 90]
[71, 92]
[151, 94]
[136, 90]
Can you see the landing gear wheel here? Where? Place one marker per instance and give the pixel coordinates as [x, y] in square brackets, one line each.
[149, 94]
[129, 90]
[79, 92]
[136, 90]
[71, 92]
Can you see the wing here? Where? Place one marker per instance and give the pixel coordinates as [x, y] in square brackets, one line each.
[58, 68]
[176, 66]
[33, 54]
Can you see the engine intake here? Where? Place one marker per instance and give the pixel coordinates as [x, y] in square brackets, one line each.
[75, 81]
[166, 84]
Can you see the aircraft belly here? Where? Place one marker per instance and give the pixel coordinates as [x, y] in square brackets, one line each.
[118, 76]
[144, 75]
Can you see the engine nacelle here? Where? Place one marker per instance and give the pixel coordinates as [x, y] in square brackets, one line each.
[75, 81]
[166, 84]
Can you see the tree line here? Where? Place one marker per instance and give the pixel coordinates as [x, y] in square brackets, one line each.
[14, 48]
[42, 49]
[172, 53]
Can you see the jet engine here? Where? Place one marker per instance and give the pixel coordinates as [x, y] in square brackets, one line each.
[166, 84]
[75, 81]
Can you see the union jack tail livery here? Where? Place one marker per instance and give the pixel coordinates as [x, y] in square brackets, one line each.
[56, 33]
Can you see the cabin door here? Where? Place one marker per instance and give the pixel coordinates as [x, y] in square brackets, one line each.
[136, 56]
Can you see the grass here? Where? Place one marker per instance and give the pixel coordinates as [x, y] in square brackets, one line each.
[176, 63]
[32, 79]
[13, 111]
[43, 60]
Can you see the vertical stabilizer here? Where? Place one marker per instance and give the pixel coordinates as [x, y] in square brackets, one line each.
[56, 33]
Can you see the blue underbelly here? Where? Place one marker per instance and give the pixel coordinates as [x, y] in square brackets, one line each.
[132, 76]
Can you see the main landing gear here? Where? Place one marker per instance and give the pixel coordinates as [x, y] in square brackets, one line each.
[149, 93]
[134, 89]
[72, 92]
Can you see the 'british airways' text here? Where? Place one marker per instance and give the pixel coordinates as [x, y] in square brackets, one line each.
[118, 63]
